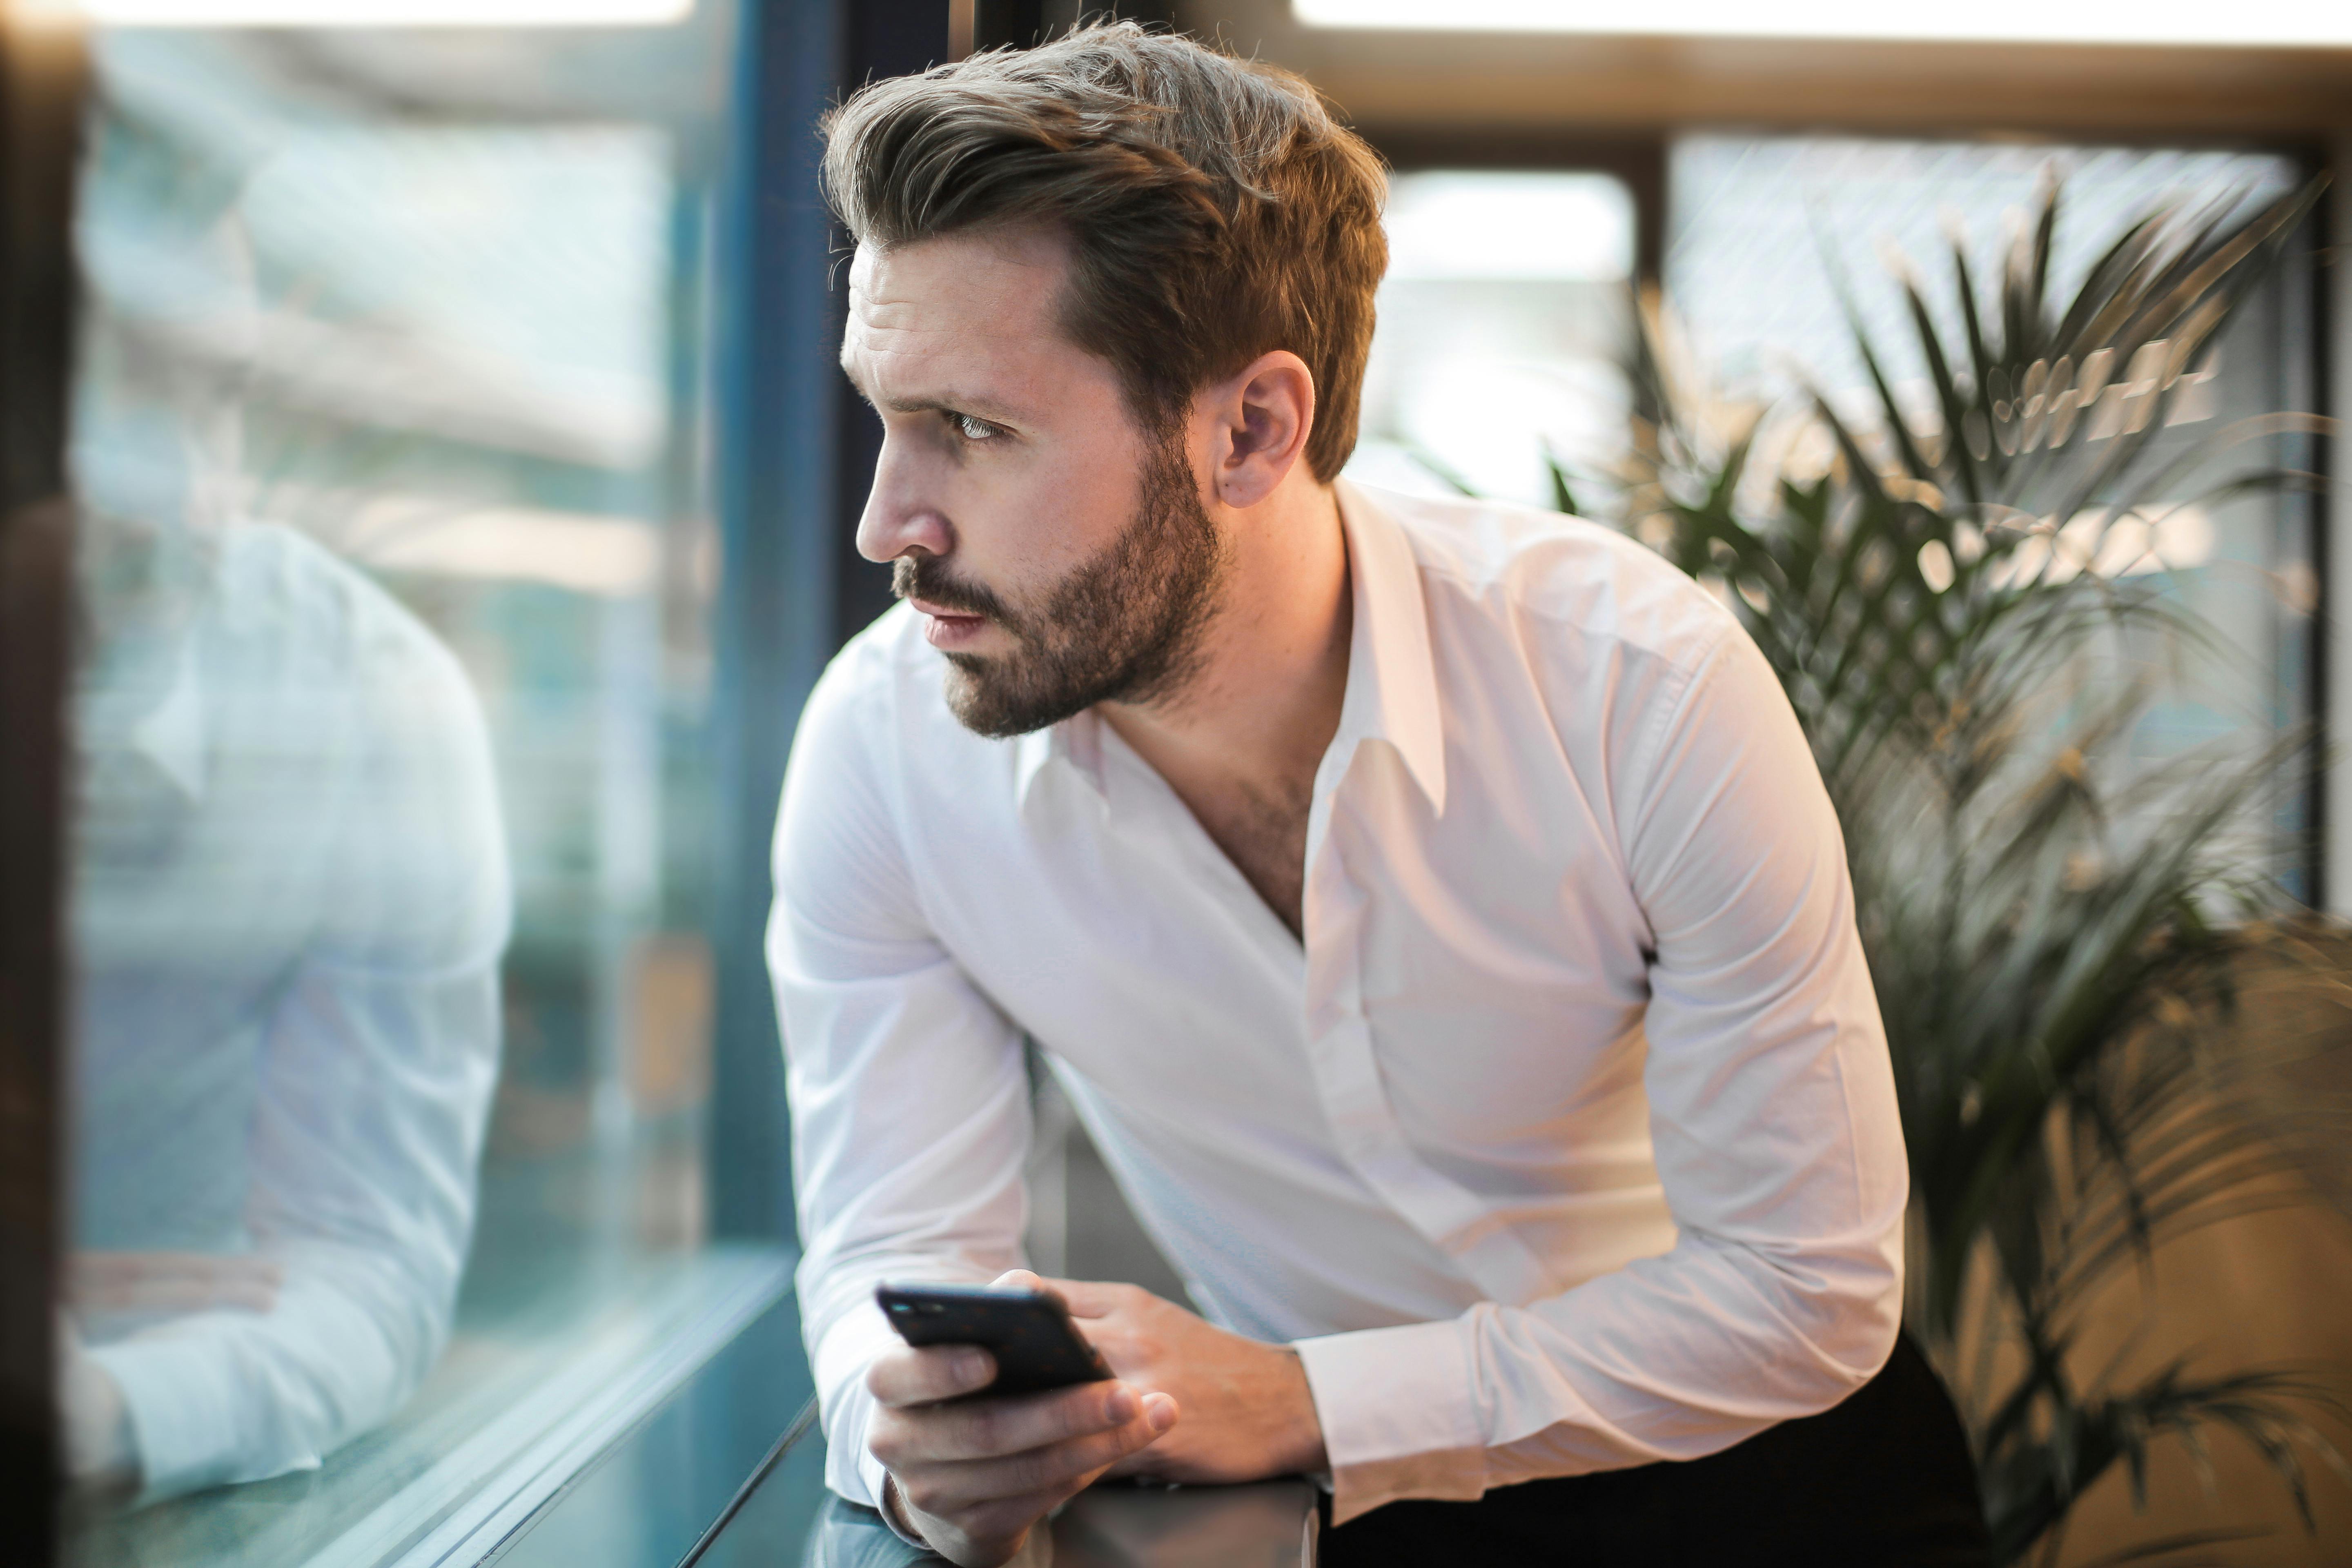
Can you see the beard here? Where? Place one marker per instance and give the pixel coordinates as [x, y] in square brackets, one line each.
[1124, 626]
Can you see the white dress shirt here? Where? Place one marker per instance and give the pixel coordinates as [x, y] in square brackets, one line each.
[1566, 1140]
[290, 894]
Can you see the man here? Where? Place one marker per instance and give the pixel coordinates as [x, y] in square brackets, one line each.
[290, 898]
[1431, 908]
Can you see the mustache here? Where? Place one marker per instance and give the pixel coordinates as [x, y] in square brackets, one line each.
[926, 577]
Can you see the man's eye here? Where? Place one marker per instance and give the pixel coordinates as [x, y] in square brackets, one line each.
[973, 429]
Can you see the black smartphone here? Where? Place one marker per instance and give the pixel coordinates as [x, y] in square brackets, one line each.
[1029, 1332]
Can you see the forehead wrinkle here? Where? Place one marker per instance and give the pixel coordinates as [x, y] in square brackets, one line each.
[934, 344]
[922, 382]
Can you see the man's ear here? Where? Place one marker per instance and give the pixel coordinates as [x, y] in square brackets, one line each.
[1261, 417]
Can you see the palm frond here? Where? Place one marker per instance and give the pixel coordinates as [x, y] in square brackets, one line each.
[2167, 1550]
[2054, 926]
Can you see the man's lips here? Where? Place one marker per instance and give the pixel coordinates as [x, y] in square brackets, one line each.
[947, 628]
[951, 617]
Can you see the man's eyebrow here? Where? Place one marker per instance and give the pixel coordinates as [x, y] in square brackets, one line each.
[946, 403]
[849, 368]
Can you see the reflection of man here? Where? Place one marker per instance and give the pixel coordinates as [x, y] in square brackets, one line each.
[1432, 908]
[289, 899]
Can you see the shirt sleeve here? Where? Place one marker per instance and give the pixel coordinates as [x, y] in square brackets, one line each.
[376, 1068]
[909, 1097]
[1776, 1134]
[367, 1138]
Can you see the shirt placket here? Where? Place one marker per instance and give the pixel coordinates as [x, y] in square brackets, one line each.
[1353, 1089]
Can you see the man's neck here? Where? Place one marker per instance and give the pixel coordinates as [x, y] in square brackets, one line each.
[1241, 742]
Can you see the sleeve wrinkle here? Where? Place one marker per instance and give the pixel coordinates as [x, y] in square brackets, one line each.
[872, 1001]
[1782, 1289]
[1683, 682]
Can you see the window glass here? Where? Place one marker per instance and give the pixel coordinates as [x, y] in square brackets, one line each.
[1501, 342]
[1756, 226]
[393, 1042]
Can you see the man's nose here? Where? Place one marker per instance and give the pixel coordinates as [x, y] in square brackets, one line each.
[899, 515]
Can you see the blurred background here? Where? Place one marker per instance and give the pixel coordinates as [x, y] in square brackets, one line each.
[395, 1164]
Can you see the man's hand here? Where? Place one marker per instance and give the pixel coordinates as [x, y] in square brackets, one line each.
[972, 1477]
[170, 1282]
[1248, 1412]
[99, 1449]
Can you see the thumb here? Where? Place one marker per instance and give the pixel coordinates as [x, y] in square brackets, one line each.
[1024, 1279]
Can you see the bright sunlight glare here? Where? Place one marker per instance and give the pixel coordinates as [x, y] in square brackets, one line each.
[372, 13]
[2326, 24]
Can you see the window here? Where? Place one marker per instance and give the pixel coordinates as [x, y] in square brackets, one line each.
[1499, 363]
[392, 864]
[1503, 332]
[1756, 226]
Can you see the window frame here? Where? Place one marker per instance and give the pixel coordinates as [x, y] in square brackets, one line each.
[43, 85]
[780, 552]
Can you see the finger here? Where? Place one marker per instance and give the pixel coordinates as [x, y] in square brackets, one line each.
[165, 1265]
[255, 1294]
[100, 1271]
[1057, 1470]
[235, 1281]
[171, 1281]
[989, 1428]
[109, 1274]
[1024, 1279]
[1093, 1298]
[910, 1375]
[176, 1296]
[1162, 1411]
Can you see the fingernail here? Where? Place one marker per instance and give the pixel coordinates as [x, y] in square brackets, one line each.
[1160, 1411]
[971, 1366]
[1122, 1403]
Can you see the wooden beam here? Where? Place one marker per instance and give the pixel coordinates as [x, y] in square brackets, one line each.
[1527, 81]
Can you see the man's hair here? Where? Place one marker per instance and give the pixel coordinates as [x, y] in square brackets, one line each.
[1215, 208]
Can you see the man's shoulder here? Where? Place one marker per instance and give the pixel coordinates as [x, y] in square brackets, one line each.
[1508, 566]
[299, 608]
[306, 656]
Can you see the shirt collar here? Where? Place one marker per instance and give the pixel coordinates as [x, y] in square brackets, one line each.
[1031, 753]
[1076, 741]
[1391, 691]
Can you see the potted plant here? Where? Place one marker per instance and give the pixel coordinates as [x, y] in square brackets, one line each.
[2057, 929]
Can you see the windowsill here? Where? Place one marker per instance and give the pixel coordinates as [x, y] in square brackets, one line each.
[507, 1417]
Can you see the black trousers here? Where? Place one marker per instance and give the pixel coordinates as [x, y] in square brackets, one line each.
[1883, 1480]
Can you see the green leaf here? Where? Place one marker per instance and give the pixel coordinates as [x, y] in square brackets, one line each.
[1563, 498]
[2053, 925]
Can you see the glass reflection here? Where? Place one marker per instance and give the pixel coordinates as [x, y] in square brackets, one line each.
[395, 851]
[290, 896]
[1114, 1525]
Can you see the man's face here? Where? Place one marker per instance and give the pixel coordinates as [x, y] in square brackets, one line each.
[1060, 554]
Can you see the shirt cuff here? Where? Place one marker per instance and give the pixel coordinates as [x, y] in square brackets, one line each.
[184, 1406]
[1399, 1416]
[877, 1480]
[851, 1469]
